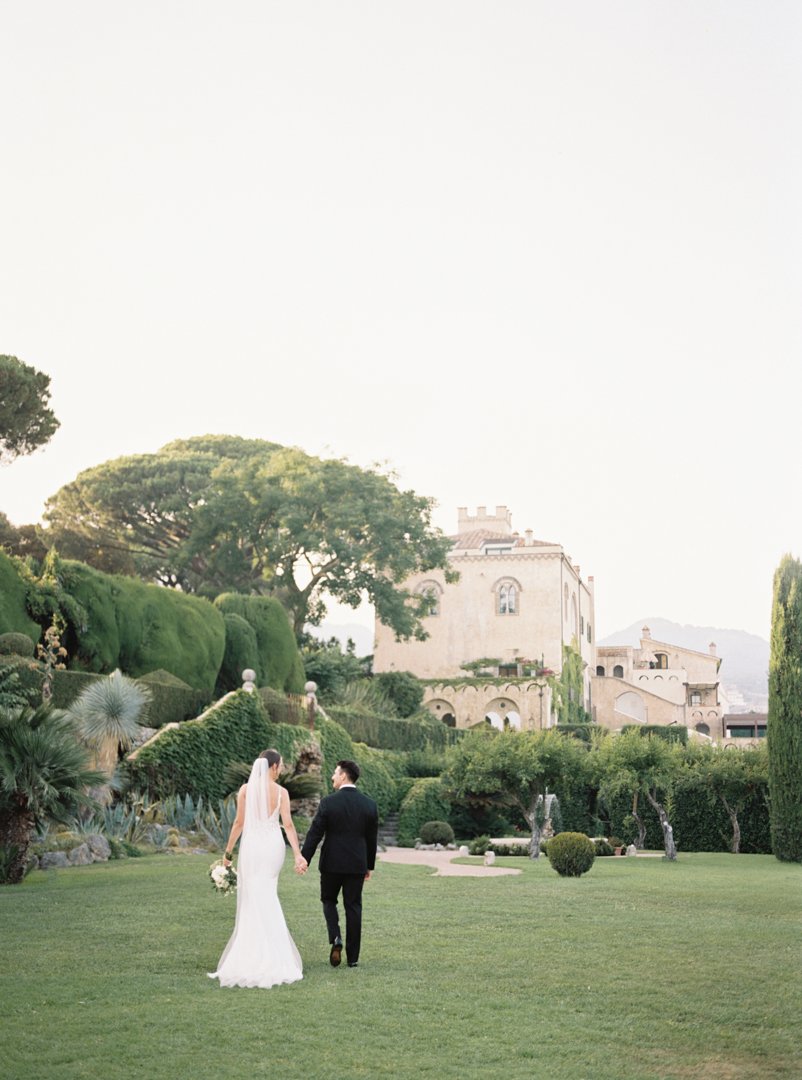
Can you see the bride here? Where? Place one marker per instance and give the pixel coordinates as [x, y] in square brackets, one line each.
[261, 951]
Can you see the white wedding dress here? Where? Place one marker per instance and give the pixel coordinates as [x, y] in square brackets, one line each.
[261, 951]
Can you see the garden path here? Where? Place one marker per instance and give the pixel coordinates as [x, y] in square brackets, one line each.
[441, 863]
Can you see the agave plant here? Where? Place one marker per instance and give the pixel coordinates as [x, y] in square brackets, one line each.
[216, 821]
[110, 711]
[181, 813]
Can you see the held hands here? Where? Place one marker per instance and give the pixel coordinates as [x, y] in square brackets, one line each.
[301, 865]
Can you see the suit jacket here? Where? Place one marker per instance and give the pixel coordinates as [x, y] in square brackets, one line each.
[347, 822]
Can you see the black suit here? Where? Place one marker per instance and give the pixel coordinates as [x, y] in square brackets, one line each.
[347, 822]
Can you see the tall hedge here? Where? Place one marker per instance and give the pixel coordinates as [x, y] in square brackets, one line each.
[241, 653]
[164, 628]
[171, 699]
[784, 733]
[14, 617]
[335, 744]
[425, 801]
[278, 661]
[391, 733]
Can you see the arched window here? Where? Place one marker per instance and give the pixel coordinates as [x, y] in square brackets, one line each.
[618, 671]
[433, 590]
[508, 592]
[703, 729]
[599, 669]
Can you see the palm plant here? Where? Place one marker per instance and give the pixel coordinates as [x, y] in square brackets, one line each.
[299, 785]
[44, 773]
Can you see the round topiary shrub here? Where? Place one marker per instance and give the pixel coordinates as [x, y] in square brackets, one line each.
[571, 854]
[16, 645]
[436, 832]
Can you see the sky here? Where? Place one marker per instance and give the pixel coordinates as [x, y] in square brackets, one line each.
[541, 255]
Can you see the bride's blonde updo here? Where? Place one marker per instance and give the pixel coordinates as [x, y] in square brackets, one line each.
[273, 757]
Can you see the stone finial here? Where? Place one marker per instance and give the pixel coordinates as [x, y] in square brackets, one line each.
[249, 680]
[712, 647]
[646, 632]
[528, 534]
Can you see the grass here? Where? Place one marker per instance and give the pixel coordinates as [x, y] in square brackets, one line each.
[639, 970]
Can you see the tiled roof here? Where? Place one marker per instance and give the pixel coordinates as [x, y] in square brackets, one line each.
[477, 538]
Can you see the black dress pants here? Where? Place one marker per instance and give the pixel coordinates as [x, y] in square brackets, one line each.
[351, 886]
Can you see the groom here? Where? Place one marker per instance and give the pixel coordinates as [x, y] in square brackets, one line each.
[347, 821]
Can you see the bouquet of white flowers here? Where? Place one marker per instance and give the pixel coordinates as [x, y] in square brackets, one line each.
[224, 878]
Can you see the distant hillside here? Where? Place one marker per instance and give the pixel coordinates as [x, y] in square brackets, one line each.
[361, 636]
[744, 657]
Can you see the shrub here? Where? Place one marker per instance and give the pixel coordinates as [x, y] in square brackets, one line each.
[425, 801]
[403, 689]
[279, 662]
[375, 779]
[518, 850]
[14, 644]
[282, 709]
[171, 699]
[426, 762]
[479, 845]
[436, 832]
[544, 847]
[14, 615]
[603, 847]
[241, 652]
[335, 744]
[392, 733]
[571, 854]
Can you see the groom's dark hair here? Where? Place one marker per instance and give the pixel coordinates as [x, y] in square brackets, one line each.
[350, 768]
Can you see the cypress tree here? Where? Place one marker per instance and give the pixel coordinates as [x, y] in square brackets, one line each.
[784, 734]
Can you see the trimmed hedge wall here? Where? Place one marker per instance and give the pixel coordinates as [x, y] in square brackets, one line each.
[278, 661]
[392, 733]
[241, 652]
[425, 801]
[335, 744]
[14, 617]
[171, 699]
[190, 759]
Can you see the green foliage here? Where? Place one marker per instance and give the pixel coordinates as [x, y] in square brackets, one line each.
[392, 733]
[426, 800]
[44, 773]
[219, 513]
[171, 699]
[571, 854]
[14, 617]
[602, 847]
[583, 732]
[241, 653]
[332, 669]
[163, 628]
[281, 708]
[568, 690]
[279, 662]
[436, 832]
[784, 736]
[403, 690]
[16, 645]
[375, 779]
[479, 845]
[672, 733]
[192, 757]
[521, 850]
[26, 421]
[425, 762]
[335, 745]
[12, 693]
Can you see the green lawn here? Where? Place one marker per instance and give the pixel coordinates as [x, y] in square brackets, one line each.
[640, 969]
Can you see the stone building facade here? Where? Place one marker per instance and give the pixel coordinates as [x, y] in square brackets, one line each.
[658, 683]
[518, 602]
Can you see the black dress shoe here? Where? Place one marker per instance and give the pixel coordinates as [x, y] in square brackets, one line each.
[336, 954]
[353, 963]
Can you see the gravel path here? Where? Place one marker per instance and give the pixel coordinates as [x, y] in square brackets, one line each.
[441, 862]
